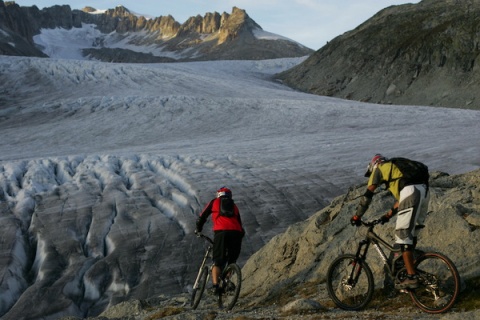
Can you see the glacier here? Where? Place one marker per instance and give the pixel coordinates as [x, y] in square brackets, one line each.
[104, 168]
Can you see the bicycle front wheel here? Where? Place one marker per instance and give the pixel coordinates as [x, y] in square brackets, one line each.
[231, 285]
[199, 287]
[439, 283]
[350, 283]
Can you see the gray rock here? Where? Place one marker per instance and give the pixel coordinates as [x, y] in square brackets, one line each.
[124, 309]
[302, 306]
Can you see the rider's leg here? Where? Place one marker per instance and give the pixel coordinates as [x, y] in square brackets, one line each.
[215, 275]
[404, 237]
[412, 209]
[410, 202]
[219, 250]
[411, 280]
[234, 246]
[408, 259]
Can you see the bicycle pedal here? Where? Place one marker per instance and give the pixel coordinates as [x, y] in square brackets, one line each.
[215, 291]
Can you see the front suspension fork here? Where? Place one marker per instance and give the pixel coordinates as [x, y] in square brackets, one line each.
[356, 263]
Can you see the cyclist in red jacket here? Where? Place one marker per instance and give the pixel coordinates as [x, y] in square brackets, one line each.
[228, 231]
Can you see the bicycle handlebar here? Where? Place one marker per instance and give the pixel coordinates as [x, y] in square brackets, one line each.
[371, 223]
[201, 235]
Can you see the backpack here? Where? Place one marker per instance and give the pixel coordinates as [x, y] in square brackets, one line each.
[227, 207]
[413, 172]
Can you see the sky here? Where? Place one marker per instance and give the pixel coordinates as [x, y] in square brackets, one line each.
[309, 22]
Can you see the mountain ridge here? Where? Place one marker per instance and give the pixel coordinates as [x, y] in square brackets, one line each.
[211, 37]
[417, 54]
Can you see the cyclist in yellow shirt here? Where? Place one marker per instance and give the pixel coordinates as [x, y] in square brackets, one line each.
[411, 205]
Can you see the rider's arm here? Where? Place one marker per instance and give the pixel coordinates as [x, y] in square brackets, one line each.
[385, 218]
[203, 216]
[392, 211]
[239, 219]
[365, 200]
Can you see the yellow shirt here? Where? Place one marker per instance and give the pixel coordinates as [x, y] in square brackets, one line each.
[381, 175]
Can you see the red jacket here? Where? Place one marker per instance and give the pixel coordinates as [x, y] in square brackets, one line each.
[220, 222]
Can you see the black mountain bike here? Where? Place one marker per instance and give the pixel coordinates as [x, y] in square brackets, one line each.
[350, 281]
[230, 281]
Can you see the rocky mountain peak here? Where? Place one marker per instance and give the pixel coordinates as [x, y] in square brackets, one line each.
[89, 9]
[119, 11]
[234, 24]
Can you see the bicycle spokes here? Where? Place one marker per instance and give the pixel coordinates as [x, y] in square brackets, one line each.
[199, 287]
[230, 285]
[439, 283]
[432, 289]
[350, 283]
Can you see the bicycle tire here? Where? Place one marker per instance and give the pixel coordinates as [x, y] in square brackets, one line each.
[198, 292]
[231, 286]
[439, 283]
[344, 295]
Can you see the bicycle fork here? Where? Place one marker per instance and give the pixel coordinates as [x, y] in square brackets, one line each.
[202, 265]
[356, 266]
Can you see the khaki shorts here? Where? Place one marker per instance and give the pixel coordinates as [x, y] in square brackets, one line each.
[412, 211]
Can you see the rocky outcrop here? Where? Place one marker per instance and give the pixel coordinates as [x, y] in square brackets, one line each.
[11, 44]
[18, 25]
[124, 55]
[301, 256]
[27, 21]
[424, 54]
[235, 24]
[211, 37]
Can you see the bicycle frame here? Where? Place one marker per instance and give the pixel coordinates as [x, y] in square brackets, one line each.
[229, 284]
[204, 261]
[351, 284]
[373, 238]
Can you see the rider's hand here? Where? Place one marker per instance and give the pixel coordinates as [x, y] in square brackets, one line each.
[384, 219]
[356, 221]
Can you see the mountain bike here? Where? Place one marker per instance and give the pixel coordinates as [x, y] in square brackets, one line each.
[230, 281]
[350, 280]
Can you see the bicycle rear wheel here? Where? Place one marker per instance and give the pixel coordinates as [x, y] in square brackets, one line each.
[200, 287]
[231, 285]
[439, 283]
[349, 283]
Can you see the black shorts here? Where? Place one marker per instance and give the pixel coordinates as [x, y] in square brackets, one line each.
[226, 247]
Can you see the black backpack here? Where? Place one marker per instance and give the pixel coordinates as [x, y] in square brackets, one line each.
[227, 207]
[413, 172]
